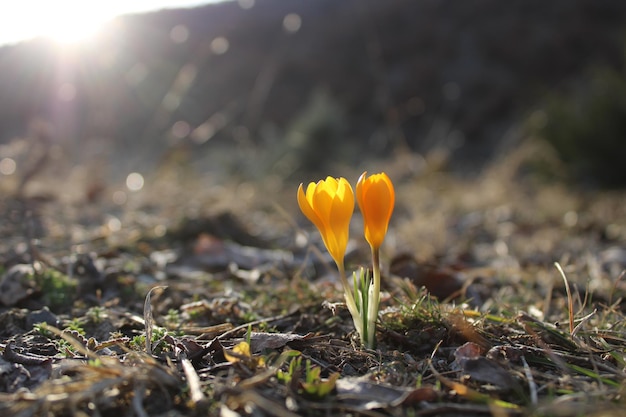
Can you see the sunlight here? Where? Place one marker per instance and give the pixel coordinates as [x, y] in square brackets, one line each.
[70, 21]
[64, 22]
[74, 26]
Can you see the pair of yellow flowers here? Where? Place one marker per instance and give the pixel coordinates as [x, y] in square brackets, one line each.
[329, 205]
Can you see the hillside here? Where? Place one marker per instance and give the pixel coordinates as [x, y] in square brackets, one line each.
[287, 81]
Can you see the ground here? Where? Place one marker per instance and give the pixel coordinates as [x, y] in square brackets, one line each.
[502, 295]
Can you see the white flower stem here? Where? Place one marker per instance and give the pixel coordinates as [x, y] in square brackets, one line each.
[374, 297]
[352, 307]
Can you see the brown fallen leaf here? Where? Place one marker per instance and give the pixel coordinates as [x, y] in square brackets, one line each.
[468, 358]
[469, 350]
[261, 341]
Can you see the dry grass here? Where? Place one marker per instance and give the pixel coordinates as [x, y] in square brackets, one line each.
[512, 334]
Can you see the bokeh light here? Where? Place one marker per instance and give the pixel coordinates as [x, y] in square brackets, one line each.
[219, 45]
[7, 166]
[119, 197]
[179, 34]
[292, 23]
[181, 129]
[134, 181]
[114, 224]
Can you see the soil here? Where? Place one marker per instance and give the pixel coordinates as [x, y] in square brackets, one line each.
[475, 319]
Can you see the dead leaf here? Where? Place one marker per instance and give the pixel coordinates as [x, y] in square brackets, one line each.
[147, 316]
[366, 395]
[262, 341]
[469, 350]
[469, 359]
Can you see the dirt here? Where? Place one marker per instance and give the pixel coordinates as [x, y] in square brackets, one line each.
[476, 318]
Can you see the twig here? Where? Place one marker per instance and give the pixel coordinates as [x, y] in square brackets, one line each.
[570, 301]
[254, 323]
[583, 321]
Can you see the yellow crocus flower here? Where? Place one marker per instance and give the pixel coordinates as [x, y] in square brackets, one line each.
[329, 204]
[376, 197]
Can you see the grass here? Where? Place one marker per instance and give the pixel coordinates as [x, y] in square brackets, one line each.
[514, 335]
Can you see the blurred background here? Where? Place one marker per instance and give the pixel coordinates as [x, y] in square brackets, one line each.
[291, 90]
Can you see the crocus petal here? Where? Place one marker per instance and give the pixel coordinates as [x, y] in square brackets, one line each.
[329, 204]
[307, 208]
[376, 199]
[340, 215]
[322, 198]
[359, 190]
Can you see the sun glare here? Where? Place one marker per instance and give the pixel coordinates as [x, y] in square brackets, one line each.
[74, 21]
[61, 21]
[71, 21]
